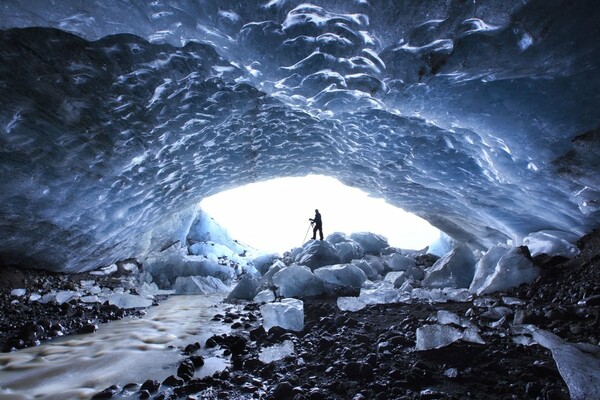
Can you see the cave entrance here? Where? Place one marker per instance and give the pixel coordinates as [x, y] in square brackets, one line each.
[273, 215]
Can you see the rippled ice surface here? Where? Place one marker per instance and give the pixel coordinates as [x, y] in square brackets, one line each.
[120, 352]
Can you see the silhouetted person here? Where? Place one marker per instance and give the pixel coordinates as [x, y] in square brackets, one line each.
[318, 225]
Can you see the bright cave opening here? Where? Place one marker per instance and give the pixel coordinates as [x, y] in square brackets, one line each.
[274, 215]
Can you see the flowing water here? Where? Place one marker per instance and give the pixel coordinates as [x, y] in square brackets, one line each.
[121, 352]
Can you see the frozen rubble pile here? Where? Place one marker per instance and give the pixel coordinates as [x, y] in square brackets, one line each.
[389, 276]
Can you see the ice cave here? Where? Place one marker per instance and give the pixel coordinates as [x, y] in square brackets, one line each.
[119, 117]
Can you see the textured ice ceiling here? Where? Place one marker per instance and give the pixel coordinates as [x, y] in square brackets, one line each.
[117, 117]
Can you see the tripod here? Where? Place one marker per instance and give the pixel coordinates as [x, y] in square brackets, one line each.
[308, 230]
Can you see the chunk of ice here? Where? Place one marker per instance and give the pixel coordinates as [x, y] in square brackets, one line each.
[350, 303]
[297, 280]
[436, 336]
[366, 268]
[126, 300]
[380, 295]
[454, 270]
[18, 292]
[287, 314]
[553, 243]
[65, 296]
[199, 285]
[349, 250]
[371, 242]
[342, 275]
[246, 288]
[399, 262]
[276, 352]
[579, 369]
[513, 269]
[317, 253]
[266, 296]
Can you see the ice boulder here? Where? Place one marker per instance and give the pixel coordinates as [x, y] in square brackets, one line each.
[397, 278]
[246, 289]
[287, 314]
[399, 262]
[199, 285]
[336, 237]
[454, 270]
[166, 266]
[18, 292]
[486, 266]
[126, 300]
[376, 263]
[342, 275]
[264, 262]
[349, 250]
[265, 296]
[317, 253]
[443, 245]
[379, 295]
[371, 242]
[267, 279]
[366, 268]
[214, 251]
[205, 229]
[553, 243]
[297, 281]
[579, 365]
[513, 269]
[350, 304]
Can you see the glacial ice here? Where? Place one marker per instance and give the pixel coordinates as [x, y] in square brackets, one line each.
[126, 300]
[287, 314]
[264, 296]
[349, 250]
[199, 285]
[264, 262]
[453, 270]
[486, 265]
[317, 253]
[436, 336]
[486, 131]
[350, 303]
[297, 281]
[276, 352]
[18, 292]
[399, 262]
[369, 271]
[246, 289]
[341, 276]
[372, 243]
[552, 243]
[580, 369]
[512, 269]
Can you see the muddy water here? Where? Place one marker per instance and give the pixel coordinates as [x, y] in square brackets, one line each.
[121, 352]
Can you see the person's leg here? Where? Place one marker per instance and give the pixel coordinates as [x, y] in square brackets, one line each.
[314, 233]
[321, 233]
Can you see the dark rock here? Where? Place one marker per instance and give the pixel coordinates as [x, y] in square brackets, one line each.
[88, 328]
[237, 345]
[198, 361]
[151, 385]
[258, 333]
[192, 348]
[173, 381]
[358, 370]
[186, 370]
[283, 391]
[107, 393]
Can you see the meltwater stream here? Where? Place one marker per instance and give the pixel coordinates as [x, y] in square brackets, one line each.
[121, 352]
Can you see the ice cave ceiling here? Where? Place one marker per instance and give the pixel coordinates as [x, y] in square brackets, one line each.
[118, 117]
